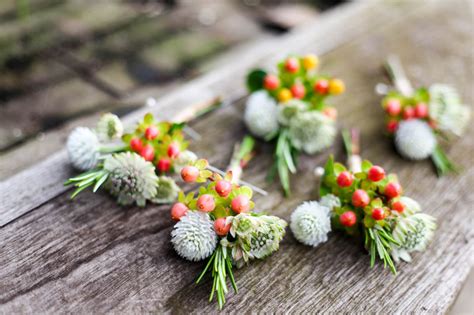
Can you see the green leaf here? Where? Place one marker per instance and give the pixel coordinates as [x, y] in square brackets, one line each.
[201, 164]
[181, 197]
[148, 119]
[339, 168]
[255, 80]
[247, 191]
[366, 165]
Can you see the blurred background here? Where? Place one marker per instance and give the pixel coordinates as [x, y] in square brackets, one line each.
[63, 62]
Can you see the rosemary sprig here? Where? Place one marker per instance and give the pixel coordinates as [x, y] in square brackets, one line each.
[95, 177]
[379, 242]
[221, 268]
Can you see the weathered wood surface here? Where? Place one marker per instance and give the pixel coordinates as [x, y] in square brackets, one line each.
[93, 256]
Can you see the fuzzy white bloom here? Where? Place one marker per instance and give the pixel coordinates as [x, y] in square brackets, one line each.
[311, 131]
[193, 237]
[131, 178]
[330, 201]
[109, 127]
[167, 190]
[415, 139]
[311, 223]
[83, 148]
[289, 110]
[414, 233]
[261, 114]
[184, 158]
[447, 110]
[411, 206]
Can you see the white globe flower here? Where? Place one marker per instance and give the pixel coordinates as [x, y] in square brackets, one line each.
[413, 233]
[167, 191]
[411, 206]
[131, 178]
[311, 223]
[261, 114]
[330, 201]
[311, 131]
[289, 110]
[83, 148]
[193, 237]
[109, 127]
[415, 140]
[447, 109]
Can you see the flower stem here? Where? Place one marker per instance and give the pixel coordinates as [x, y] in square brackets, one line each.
[395, 70]
[351, 141]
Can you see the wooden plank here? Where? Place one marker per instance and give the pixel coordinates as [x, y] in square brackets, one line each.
[92, 256]
[210, 86]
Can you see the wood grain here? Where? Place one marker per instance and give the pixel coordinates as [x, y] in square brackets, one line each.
[91, 256]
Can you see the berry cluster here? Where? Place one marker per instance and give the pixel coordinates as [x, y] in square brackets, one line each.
[157, 142]
[399, 108]
[297, 79]
[369, 197]
[221, 198]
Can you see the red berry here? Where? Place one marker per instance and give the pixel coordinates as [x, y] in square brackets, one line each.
[408, 113]
[376, 173]
[173, 150]
[178, 210]
[298, 90]
[360, 198]
[398, 206]
[321, 86]
[348, 218]
[292, 65]
[345, 179]
[421, 110]
[378, 214]
[147, 152]
[151, 132]
[271, 82]
[393, 107]
[393, 190]
[392, 126]
[330, 112]
[223, 188]
[189, 173]
[240, 204]
[206, 203]
[136, 144]
[164, 165]
[221, 227]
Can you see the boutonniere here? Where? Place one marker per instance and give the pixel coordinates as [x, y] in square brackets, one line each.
[290, 106]
[218, 224]
[420, 119]
[364, 202]
[133, 167]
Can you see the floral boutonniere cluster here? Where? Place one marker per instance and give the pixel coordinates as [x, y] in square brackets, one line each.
[218, 224]
[420, 119]
[369, 204]
[290, 106]
[133, 167]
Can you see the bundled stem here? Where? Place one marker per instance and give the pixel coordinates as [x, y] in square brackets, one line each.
[221, 267]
